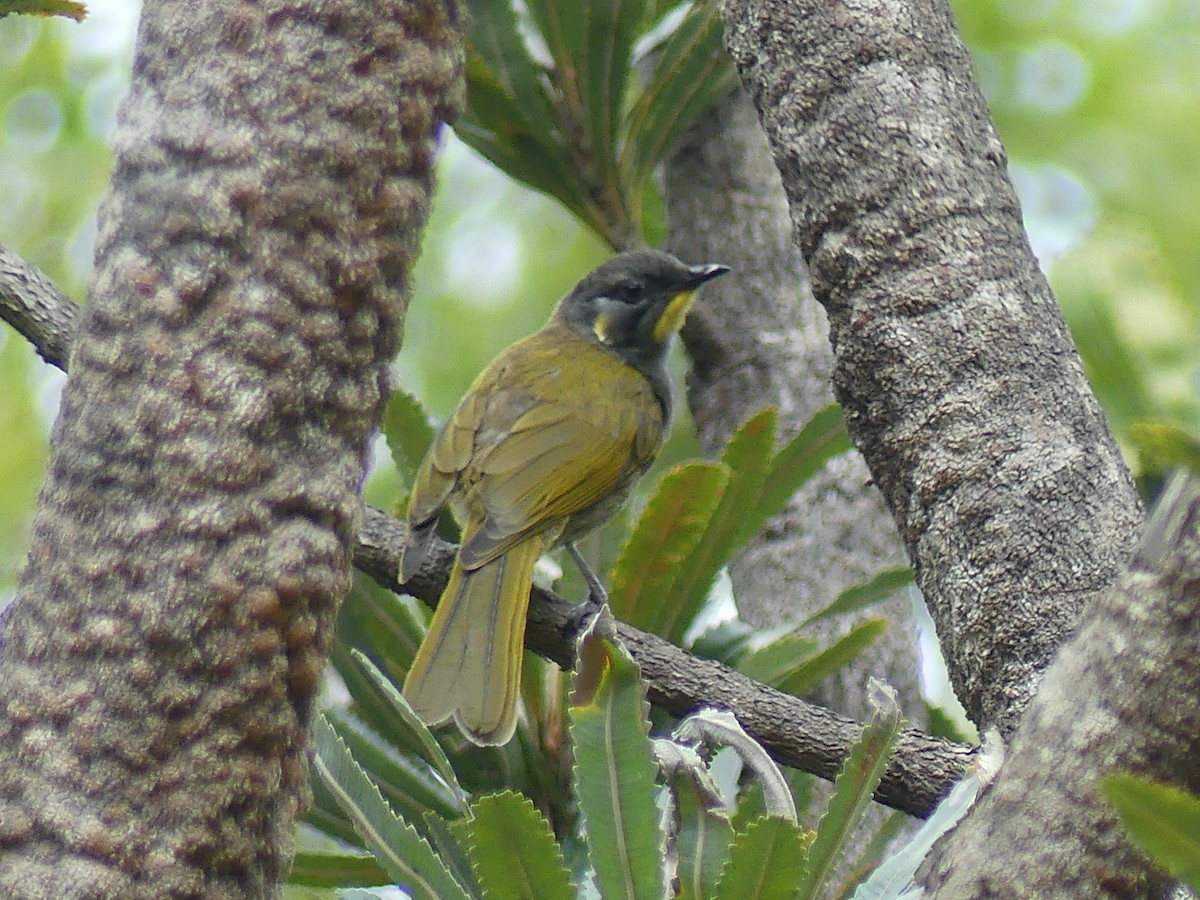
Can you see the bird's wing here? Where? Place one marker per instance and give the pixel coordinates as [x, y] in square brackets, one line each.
[581, 438]
[448, 457]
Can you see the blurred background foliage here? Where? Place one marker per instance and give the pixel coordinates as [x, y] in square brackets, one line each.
[1097, 101]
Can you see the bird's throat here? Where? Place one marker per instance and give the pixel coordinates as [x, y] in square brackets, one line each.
[672, 317]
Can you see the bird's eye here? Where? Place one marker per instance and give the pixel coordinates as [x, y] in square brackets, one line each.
[629, 291]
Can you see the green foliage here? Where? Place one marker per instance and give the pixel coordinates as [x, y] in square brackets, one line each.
[576, 125]
[614, 772]
[1163, 821]
[1164, 446]
[702, 837]
[697, 520]
[664, 542]
[513, 850]
[766, 861]
[398, 848]
[603, 810]
[852, 790]
[501, 846]
[312, 868]
[407, 431]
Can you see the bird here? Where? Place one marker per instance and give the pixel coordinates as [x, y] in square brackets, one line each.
[544, 447]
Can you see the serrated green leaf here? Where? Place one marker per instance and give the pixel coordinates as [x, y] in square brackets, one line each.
[449, 840]
[1162, 821]
[316, 869]
[822, 438]
[536, 160]
[725, 642]
[327, 817]
[663, 541]
[765, 862]
[691, 72]
[410, 725]
[383, 706]
[398, 848]
[385, 626]
[747, 457]
[407, 432]
[614, 773]
[773, 662]
[514, 852]
[703, 840]
[859, 596]
[852, 791]
[611, 28]
[509, 117]
[409, 785]
[804, 677]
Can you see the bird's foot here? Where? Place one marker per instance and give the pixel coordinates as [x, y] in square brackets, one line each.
[582, 614]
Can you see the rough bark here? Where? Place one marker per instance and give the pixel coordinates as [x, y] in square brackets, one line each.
[760, 339]
[35, 308]
[1124, 694]
[193, 535]
[954, 367]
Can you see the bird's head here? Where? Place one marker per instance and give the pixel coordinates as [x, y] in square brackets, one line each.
[634, 303]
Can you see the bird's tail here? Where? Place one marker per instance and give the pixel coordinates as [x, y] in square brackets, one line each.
[469, 665]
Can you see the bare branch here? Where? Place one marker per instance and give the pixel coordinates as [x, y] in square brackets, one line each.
[40, 312]
[795, 733]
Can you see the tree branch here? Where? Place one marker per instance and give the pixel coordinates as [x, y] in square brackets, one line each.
[796, 733]
[40, 312]
[954, 367]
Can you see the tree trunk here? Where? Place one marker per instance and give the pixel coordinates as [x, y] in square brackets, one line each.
[953, 364]
[193, 535]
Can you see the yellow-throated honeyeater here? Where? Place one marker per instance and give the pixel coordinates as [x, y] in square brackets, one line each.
[544, 447]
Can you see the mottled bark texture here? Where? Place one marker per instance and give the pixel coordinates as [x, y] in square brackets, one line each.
[1124, 694]
[760, 339]
[36, 309]
[193, 536]
[957, 375]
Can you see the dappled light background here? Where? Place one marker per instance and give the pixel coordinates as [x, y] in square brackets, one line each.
[1098, 103]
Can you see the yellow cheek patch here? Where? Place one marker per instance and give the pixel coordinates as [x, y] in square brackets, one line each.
[672, 318]
[600, 327]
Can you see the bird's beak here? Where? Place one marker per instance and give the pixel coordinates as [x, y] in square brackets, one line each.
[672, 317]
[701, 274]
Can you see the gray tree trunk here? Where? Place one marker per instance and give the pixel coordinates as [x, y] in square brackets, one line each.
[953, 364]
[193, 536]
